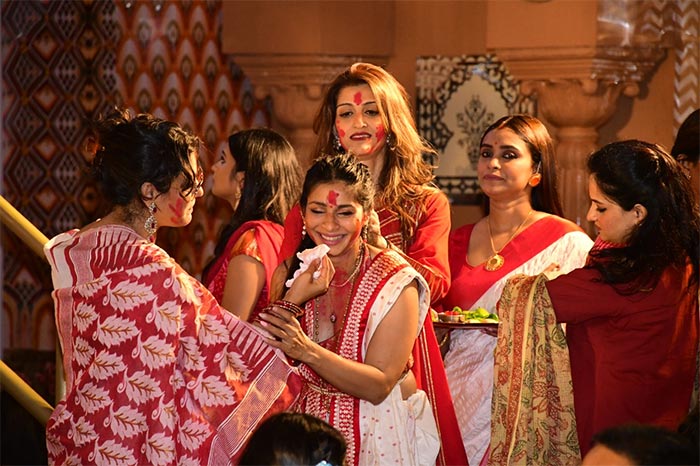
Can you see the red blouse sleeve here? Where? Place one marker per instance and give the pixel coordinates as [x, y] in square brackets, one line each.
[427, 252]
[571, 296]
[292, 233]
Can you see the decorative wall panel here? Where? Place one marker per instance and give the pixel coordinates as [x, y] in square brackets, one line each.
[66, 62]
[457, 99]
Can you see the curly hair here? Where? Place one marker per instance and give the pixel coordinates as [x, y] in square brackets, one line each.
[530, 130]
[130, 151]
[635, 172]
[406, 175]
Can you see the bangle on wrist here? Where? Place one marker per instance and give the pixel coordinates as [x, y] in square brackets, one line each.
[289, 306]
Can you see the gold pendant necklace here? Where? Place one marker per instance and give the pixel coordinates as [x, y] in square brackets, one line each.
[496, 260]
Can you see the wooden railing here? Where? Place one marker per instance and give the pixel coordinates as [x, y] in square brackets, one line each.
[9, 380]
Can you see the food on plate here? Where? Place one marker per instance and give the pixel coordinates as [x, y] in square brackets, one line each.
[467, 316]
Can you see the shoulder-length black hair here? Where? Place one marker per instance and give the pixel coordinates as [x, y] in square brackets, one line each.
[272, 180]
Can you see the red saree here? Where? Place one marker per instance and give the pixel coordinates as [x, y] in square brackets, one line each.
[156, 371]
[426, 251]
[267, 238]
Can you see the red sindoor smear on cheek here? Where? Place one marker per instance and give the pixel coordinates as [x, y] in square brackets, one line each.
[341, 133]
[332, 198]
[357, 98]
[178, 210]
[380, 133]
[379, 136]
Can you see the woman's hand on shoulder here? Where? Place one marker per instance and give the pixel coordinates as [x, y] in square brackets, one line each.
[374, 232]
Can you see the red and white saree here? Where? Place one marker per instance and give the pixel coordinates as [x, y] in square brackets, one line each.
[156, 371]
[469, 363]
[396, 431]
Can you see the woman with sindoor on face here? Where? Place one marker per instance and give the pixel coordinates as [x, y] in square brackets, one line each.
[156, 371]
[354, 342]
[366, 112]
[259, 177]
[523, 232]
[631, 313]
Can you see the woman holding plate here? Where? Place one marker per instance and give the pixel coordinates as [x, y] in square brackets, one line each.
[523, 232]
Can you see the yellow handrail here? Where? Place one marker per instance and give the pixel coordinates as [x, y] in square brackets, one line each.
[15, 386]
[24, 394]
[22, 227]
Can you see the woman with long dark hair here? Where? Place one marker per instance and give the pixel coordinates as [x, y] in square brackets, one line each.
[259, 177]
[632, 311]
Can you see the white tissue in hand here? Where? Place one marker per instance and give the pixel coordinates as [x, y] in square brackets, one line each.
[307, 256]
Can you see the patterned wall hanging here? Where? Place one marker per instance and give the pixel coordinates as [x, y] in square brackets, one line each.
[170, 64]
[65, 62]
[457, 99]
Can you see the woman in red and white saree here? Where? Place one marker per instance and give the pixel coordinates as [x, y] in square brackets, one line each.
[365, 112]
[353, 343]
[156, 371]
[517, 172]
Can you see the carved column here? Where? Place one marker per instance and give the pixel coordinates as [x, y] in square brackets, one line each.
[577, 91]
[309, 45]
[577, 108]
[296, 84]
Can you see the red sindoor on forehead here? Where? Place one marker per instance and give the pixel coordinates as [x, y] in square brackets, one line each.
[333, 198]
[358, 98]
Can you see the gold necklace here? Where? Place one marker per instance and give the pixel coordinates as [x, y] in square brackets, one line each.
[356, 269]
[496, 260]
[333, 318]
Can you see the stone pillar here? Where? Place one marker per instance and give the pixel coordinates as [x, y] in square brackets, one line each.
[291, 52]
[577, 108]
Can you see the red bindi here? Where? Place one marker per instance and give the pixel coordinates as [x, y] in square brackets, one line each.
[333, 198]
[358, 98]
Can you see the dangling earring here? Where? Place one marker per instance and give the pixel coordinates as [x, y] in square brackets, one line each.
[336, 142]
[151, 224]
[364, 233]
[303, 230]
[391, 141]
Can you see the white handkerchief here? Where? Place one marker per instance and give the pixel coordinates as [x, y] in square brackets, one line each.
[307, 256]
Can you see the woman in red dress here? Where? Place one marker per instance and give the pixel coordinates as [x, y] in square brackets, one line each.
[365, 111]
[261, 180]
[632, 311]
